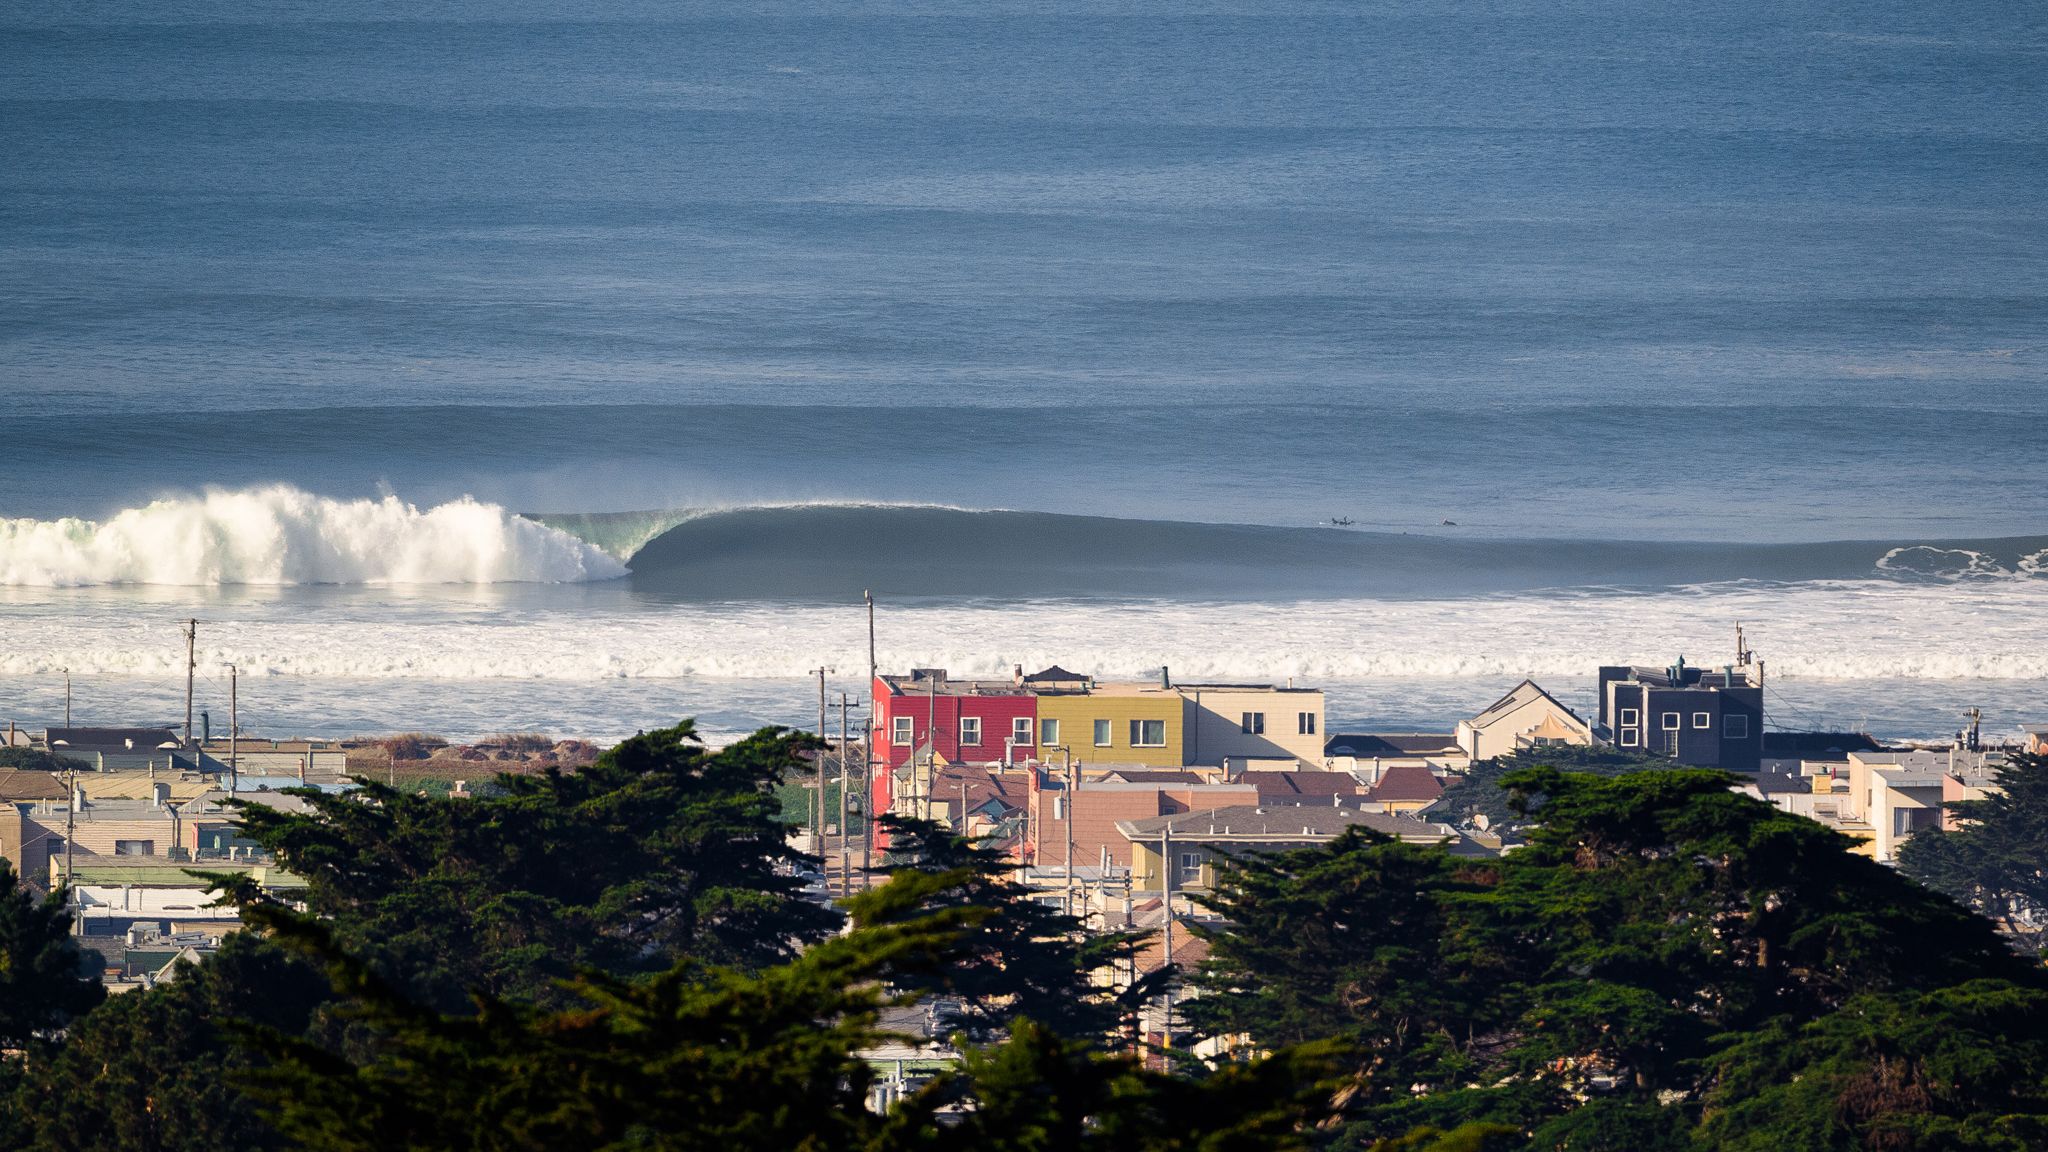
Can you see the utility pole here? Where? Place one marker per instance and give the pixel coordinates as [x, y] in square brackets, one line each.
[191, 665]
[846, 707]
[867, 773]
[845, 780]
[67, 696]
[1166, 927]
[1067, 754]
[70, 834]
[820, 825]
[234, 728]
[931, 741]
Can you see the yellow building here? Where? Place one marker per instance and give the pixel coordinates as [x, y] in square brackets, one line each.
[1112, 724]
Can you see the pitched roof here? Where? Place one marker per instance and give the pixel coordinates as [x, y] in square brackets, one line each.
[109, 739]
[982, 787]
[1055, 675]
[1154, 776]
[1527, 692]
[1391, 744]
[30, 784]
[1288, 785]
[1282, 823]
[1406, 782]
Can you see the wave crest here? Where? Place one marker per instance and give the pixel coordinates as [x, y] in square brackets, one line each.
[282, 535]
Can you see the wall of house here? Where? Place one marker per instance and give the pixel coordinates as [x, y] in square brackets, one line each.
[944, 713]
[1212, 721]
[1077, 715]
[1504, 734]
[1098, 807]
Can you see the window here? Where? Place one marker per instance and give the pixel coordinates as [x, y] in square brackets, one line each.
[134, 847]
[1049, 733]
[1735, 727]
[1102, 733]
[1631, 738]
[1702, 720]
[1148, 733]
[1305, 724]
[1020, 730]
[970, 730]
[1253, 724]
[899, 731]
[1190, 864]
[1630, 717]
[1671, 721]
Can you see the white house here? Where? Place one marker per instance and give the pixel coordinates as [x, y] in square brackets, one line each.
[1524, 718]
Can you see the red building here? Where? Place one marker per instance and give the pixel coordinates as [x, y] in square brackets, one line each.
[965, 721]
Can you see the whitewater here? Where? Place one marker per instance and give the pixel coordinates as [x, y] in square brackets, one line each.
[280, 535]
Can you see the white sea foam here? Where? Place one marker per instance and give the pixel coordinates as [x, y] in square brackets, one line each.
[1836, 630]
[283, 536]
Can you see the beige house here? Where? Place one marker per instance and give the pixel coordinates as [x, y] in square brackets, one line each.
[1900, 793]
[1244, 726]
[1526, 717]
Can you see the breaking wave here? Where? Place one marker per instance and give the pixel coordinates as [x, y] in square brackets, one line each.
[831, 551]
[281, 535]
[284, 536]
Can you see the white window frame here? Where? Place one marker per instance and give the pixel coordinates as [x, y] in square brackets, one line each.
[1671, 720]
[975, 723]
[1020, 731]
[1304, 723]
[1252, 724]
[1630, 717]
[1138, 734]
[1190, 864]
[1735, 726]
[901, 732]
[1702, 720]
[1105, 732]
[1631, 738]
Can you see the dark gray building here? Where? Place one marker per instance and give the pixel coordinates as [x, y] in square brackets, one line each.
[1703, 718]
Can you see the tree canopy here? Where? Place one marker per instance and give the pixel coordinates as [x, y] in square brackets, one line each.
[1596, 987]
[657, 851]
[1024, 959]
[1996, 860]
[706, 1057]
[43, 984]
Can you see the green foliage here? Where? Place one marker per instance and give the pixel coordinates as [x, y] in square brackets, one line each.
[1020, 958]
[43, 985]
[1584, 988]
[40, 760]
[1958, 1068]
[659, 850]
[1478, 792]
[1997, 861]
[155, 1070]
[706, 1057]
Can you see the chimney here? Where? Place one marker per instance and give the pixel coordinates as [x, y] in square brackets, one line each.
[160, 795]
[1165, 676]
[1017, 677]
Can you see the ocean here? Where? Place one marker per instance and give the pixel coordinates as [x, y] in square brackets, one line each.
[470, 367]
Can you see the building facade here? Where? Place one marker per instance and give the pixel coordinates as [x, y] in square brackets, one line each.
[1699, 718]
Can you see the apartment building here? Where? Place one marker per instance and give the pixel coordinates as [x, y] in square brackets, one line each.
[1698, 717]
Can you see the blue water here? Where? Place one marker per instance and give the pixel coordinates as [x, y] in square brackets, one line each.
[1748, 272]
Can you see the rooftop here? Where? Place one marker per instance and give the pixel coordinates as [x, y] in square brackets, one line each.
[1527, 692]
[1280, 824]
[1391, 744]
